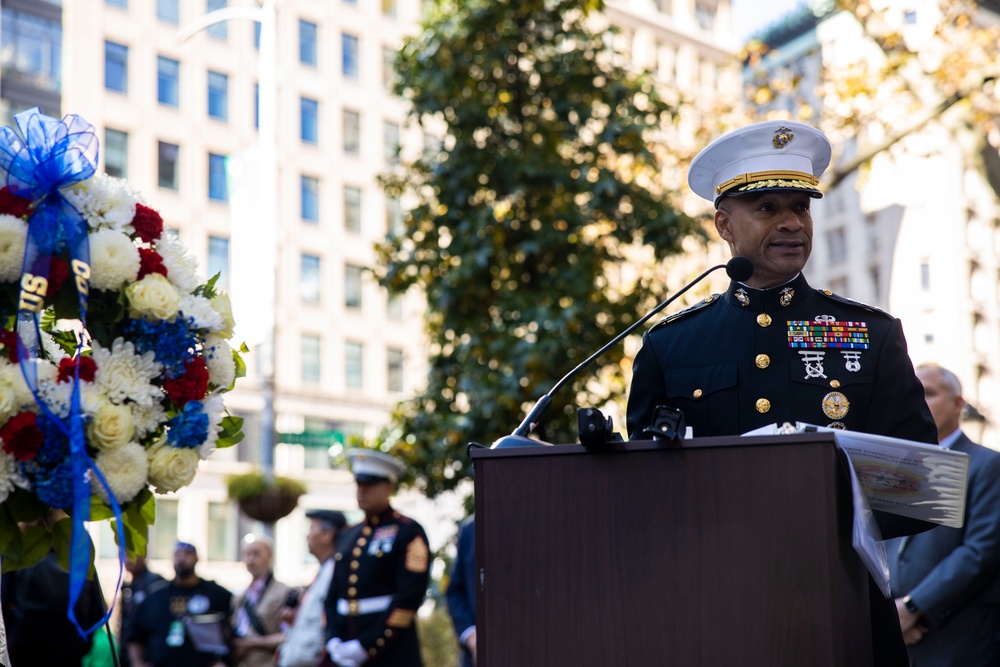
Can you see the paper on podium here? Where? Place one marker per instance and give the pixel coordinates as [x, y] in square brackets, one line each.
[902, 477]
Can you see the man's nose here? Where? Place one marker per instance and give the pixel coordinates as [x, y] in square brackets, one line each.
[790, 221]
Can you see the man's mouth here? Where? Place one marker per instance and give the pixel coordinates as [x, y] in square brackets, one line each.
[787, 245]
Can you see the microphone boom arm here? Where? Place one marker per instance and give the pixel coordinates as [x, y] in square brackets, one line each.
[530, 421]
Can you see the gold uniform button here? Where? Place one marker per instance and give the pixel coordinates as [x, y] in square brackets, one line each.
[388, 633]
[380, 642]
[827, 292]
[357, 551]
[696, 393]
[762, 361]
[352, 591]
[361, 542]
[834, 383]
[372, 651]
[763, 405]
[354, 565]
[338, 556]
[709, 299]
[366, 531]
[353, 579]
[352, 606]
[764, 320]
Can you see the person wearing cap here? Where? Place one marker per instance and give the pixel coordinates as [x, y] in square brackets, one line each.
[305, 639]
[185, 623]
[256, 617]
[774, 349]
[381, 575]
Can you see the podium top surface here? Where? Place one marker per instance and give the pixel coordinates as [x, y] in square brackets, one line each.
[545, 449]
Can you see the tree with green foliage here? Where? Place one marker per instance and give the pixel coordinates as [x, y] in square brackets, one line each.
[546, 180]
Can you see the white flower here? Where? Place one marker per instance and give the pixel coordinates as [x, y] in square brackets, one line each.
[114, 260]
[224, 307]
[10, 475]
[13, 236]
[41, 369]
[125, 469]
[105, 202]
[148, 418]
[219, 361]
[181, 268]
[200, 310]
[170, 468]
[111, 427]
[152, 298]
[124, 375]
[213, 408]
[8, 396]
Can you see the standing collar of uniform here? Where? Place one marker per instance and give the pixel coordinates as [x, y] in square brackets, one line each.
[768, 300]
[379, 519]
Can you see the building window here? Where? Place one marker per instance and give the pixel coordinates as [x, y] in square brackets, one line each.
[116, 67]
[218, 95]
[167, 156]
[394, 369]
[310, 358]
[309, 115]
[256, 105]
[256, 35]
[163, 533]
[307, 43]
[168, 73]
[352, 286]
[394, 306]
[115, 153]
[349, 46]
[836, 245]
[32, 50]
[388, 67]
[221, 532]
[705, 16]
[354, 367]
[218, 30]
[167, 10]
[925, 275]
[309, 280]
[310, 199]
[352, 208]
[122, 4]
[218, 188]
[876, 279]
[218, 260]
[391, 134]
[389, 8]
[393, 216]
[352, 132]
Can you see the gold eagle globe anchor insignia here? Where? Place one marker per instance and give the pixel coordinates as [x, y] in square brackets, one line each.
[782, 137]
[835, 405]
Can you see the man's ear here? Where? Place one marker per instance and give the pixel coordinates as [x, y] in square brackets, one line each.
[722, 225]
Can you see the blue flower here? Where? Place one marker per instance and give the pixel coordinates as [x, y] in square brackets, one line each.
[190, 427]
[173, 343]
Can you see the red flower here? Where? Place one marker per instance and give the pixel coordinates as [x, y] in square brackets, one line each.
[9, 341]
[67, 369]
[11, 204]
[21, 436]
[188, 387]
[150, 261]
[148, 223]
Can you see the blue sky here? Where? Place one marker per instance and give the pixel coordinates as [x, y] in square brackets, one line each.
[751, 15]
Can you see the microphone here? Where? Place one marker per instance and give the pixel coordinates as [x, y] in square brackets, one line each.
[738, 268]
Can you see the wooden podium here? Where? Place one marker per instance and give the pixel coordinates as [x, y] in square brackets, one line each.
[715, 552]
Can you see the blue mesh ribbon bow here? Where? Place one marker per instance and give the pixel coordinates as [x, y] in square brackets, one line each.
[44, 158]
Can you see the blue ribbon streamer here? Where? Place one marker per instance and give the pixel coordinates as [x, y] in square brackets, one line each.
[47, 156]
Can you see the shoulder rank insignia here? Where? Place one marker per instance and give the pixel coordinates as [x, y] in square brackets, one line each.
[851, 302]
[704, 303]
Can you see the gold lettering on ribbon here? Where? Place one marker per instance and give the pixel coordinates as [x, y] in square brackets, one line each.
[33, 289]
[82, 272]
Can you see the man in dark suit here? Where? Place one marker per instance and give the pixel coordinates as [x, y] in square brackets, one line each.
[773, 349]
[947, 581]
[461, 593]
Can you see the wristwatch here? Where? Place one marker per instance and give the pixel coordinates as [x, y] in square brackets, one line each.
[910, 605]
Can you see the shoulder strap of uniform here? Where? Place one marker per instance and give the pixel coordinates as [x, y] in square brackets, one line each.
[704, 303]
[851, 302]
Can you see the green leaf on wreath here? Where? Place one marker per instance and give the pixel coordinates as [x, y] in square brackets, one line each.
[8, 528]
[208, 289]
[24, 506]
[99, 510]
[232, 432]
[62, 543]
[241, 366]
[136, 517]
[27, 548]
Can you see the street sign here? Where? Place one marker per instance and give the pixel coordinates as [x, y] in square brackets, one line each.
[324, 439]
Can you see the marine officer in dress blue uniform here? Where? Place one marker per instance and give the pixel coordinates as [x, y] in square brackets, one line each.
[774, 349]
[381, 574]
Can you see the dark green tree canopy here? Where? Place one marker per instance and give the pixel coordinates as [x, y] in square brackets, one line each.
[546, 179]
